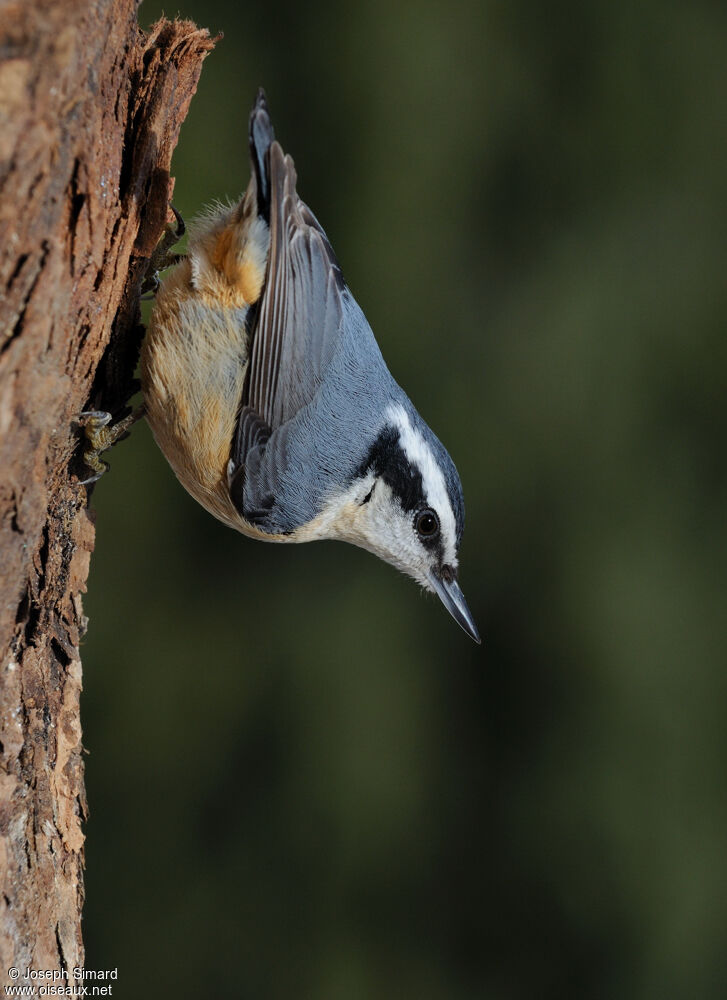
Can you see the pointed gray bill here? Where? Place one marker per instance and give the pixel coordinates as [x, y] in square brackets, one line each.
[453, 599]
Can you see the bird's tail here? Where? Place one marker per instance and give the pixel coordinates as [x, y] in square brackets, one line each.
[262, 137]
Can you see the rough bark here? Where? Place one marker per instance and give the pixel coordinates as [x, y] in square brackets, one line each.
[90, 110]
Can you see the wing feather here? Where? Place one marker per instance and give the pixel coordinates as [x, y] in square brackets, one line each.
[298, 325]
[300, 317]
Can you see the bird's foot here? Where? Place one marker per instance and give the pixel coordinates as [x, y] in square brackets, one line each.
[100, 436]
[162, 257]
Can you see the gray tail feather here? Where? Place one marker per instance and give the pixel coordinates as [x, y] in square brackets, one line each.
[261, 138]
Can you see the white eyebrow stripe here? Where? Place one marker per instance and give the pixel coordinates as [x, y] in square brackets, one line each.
[419, 453]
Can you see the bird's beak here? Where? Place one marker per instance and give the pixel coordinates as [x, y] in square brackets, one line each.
[453, 599]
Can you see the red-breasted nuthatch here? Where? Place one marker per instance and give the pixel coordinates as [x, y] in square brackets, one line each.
[268, 394]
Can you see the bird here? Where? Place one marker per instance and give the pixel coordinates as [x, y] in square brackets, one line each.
[267, 392]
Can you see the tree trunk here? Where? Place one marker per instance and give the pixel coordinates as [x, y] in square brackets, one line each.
[90, 111]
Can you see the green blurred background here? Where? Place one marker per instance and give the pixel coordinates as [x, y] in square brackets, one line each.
[304, 779]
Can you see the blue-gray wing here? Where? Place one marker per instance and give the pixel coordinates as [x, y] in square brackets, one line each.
[297, 329]
[299, 317]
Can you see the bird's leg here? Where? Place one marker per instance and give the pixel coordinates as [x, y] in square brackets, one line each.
[162, 257]
[100, 436]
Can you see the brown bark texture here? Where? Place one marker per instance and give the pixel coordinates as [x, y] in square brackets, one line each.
[90, 111]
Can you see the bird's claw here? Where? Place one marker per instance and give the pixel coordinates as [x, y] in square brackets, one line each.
[161, 257]
[99, 437]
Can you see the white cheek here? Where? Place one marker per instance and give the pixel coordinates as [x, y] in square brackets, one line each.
[387, 531]
[379, 526]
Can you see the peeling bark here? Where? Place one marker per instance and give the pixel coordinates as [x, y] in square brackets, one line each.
[90, 111]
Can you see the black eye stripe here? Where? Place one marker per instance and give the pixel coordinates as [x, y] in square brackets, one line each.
[387, 460]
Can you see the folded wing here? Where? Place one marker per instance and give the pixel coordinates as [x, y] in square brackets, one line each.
[294, 337]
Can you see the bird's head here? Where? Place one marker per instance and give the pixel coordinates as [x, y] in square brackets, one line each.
[405, 504]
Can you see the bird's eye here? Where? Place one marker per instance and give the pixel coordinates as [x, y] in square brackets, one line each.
[426, 523]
